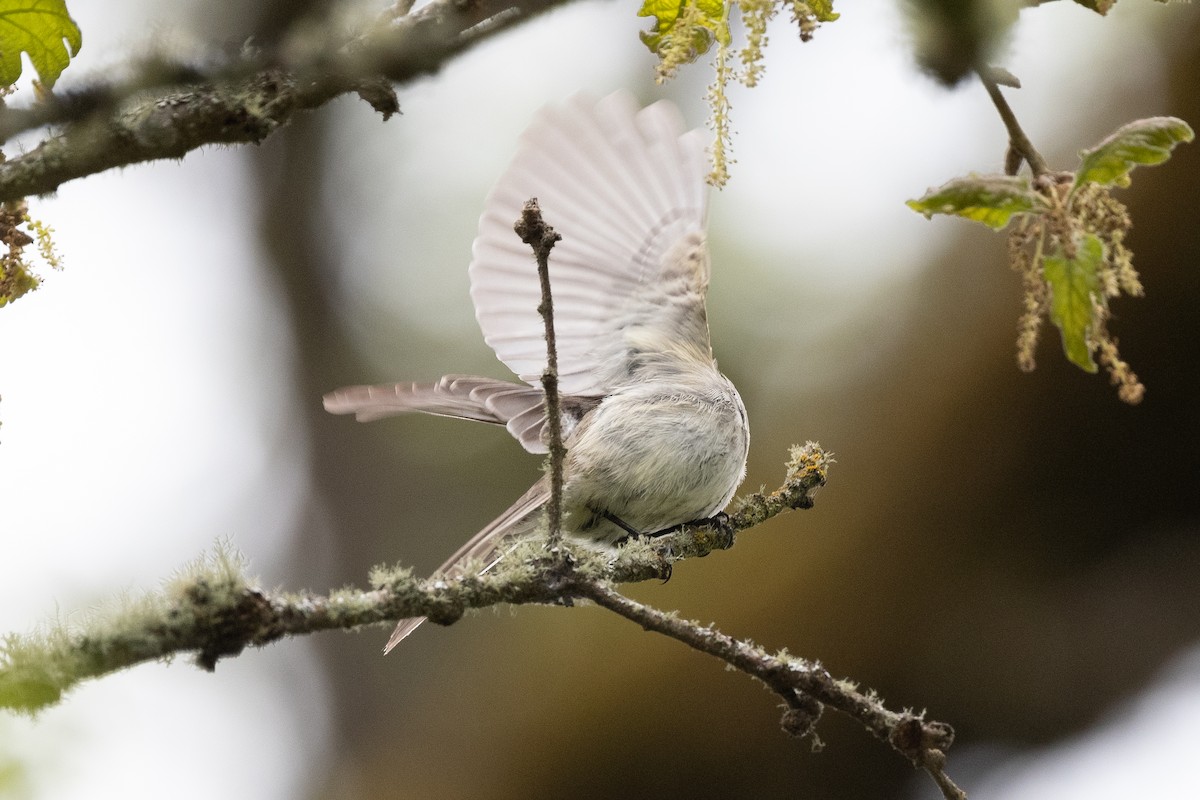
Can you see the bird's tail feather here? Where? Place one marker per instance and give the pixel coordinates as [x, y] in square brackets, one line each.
[519, 407]
[519, 518]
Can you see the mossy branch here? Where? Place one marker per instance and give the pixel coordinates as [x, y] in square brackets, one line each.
[212, 609]
[805, 687]
[167, 109]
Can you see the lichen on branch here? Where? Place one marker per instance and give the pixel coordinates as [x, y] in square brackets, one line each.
[214, 610]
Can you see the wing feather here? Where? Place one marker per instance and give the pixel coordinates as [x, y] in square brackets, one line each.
[623, 187]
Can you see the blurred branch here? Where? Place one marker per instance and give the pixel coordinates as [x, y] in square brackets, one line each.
[1020, 147]
[247, 96]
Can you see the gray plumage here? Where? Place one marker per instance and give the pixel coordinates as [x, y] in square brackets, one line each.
[655, 434]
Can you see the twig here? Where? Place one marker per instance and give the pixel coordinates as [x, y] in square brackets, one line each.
[802, 685]
[534, 232]
[1018, 142]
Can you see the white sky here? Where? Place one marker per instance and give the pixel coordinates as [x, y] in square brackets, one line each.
[1147, 748]
[144, 401]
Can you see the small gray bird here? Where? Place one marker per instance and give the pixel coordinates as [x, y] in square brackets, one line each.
[655, 435]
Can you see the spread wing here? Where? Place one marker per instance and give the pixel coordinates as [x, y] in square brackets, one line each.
[625, 189]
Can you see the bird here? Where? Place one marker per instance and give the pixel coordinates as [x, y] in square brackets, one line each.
[655, 435]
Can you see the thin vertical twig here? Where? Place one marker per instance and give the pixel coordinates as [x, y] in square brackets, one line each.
[534, 232]
[1018, 142]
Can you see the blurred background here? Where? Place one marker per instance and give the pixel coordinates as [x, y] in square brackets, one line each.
[1015, 553]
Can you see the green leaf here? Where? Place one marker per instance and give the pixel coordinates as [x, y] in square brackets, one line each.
[665, 12]
[706, 23]
[822, 10]
[1074, 283]
[990, 199]
[15, 281]
[44, 30]
[1144, 141]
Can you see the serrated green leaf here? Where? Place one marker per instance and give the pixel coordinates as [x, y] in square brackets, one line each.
[44, 30]
[711, 25]
[990, 199]
[665, 12]
[1144, 141]
[1074, 283]
[822, 10]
